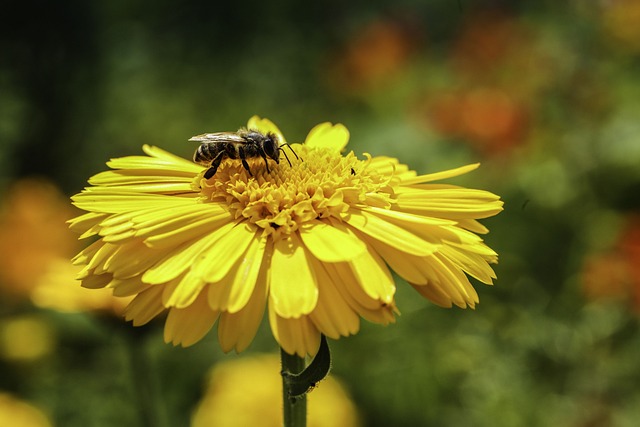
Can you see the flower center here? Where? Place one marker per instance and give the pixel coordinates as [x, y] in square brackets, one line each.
[320, 184]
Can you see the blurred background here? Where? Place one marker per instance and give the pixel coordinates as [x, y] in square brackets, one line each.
[545, 94]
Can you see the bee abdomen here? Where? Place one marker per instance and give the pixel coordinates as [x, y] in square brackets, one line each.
[204, 154]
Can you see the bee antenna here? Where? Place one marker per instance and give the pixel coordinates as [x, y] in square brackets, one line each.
[285, 154]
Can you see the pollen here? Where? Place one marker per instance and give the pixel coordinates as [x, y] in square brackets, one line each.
[320, 184]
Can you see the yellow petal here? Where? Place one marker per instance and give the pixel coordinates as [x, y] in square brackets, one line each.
[133, 259]
[186, 326]
[189, 231]
[179, 260]
[230, 244]
[327, 135]
[441, 175]
[145, 306]
[183, 291]
[87, 253]
[453, 203]
[237, 330]
[374, 276]
[210, 266]
[118, 202]
[97, 281]
[402, 263]
[347, 283]
[86, 221]
[391, 234]
[451, 281]
[293, 290]
[295, 336]
[128, 287]
[470, 263]
[400, 217]
[331, 242]
[169, 157]
[246, 275]
[434, 294]
[332, 316]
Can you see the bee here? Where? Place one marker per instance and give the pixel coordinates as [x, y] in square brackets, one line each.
[243, 144]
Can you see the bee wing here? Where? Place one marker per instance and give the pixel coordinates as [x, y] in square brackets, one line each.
[218, 137]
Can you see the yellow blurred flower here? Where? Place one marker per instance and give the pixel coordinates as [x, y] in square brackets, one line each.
[25, 338]
[35, 247]
[247, 392]
[312, 241]
[17, 413]
[32, 233]
[56, 290]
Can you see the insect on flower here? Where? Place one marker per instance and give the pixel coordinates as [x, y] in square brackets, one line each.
[243, 144]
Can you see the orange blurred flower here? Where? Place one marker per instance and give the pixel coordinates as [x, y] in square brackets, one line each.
[621, 22]
[488, 118]
[487, 38]
[374, 56]
[616, 274]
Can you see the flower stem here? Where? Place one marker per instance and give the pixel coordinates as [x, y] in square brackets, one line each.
[294, 408]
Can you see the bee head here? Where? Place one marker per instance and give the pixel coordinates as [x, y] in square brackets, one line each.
[271, 147]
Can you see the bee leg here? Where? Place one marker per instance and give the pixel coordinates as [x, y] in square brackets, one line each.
[246, 166]
[265, 162]
[214, 166]
[243, 158]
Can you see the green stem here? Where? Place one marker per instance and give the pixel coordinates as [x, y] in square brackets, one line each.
[145, 387]
[294, 409]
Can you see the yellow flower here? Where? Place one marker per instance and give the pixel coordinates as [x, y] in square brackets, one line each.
[313, 241]
[247, 392]
[35, 247]
[18, 413]
[32, 235]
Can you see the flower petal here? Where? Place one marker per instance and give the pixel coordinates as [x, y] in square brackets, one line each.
[437, 176]
[133, 259]
[233, 292]
[391, 234]
[434, 294]
[327, 135]
[331, 242]
[236, 330]
[347, 283]
[374, 276]
[452, 203]
[402, 263]
[145, 306]
[295, 336]
[293, 290]
[178, 260]
[230, 244]
[246, 275]
[191, 230]
[450, 280]
[332, 316]
[186, 326]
